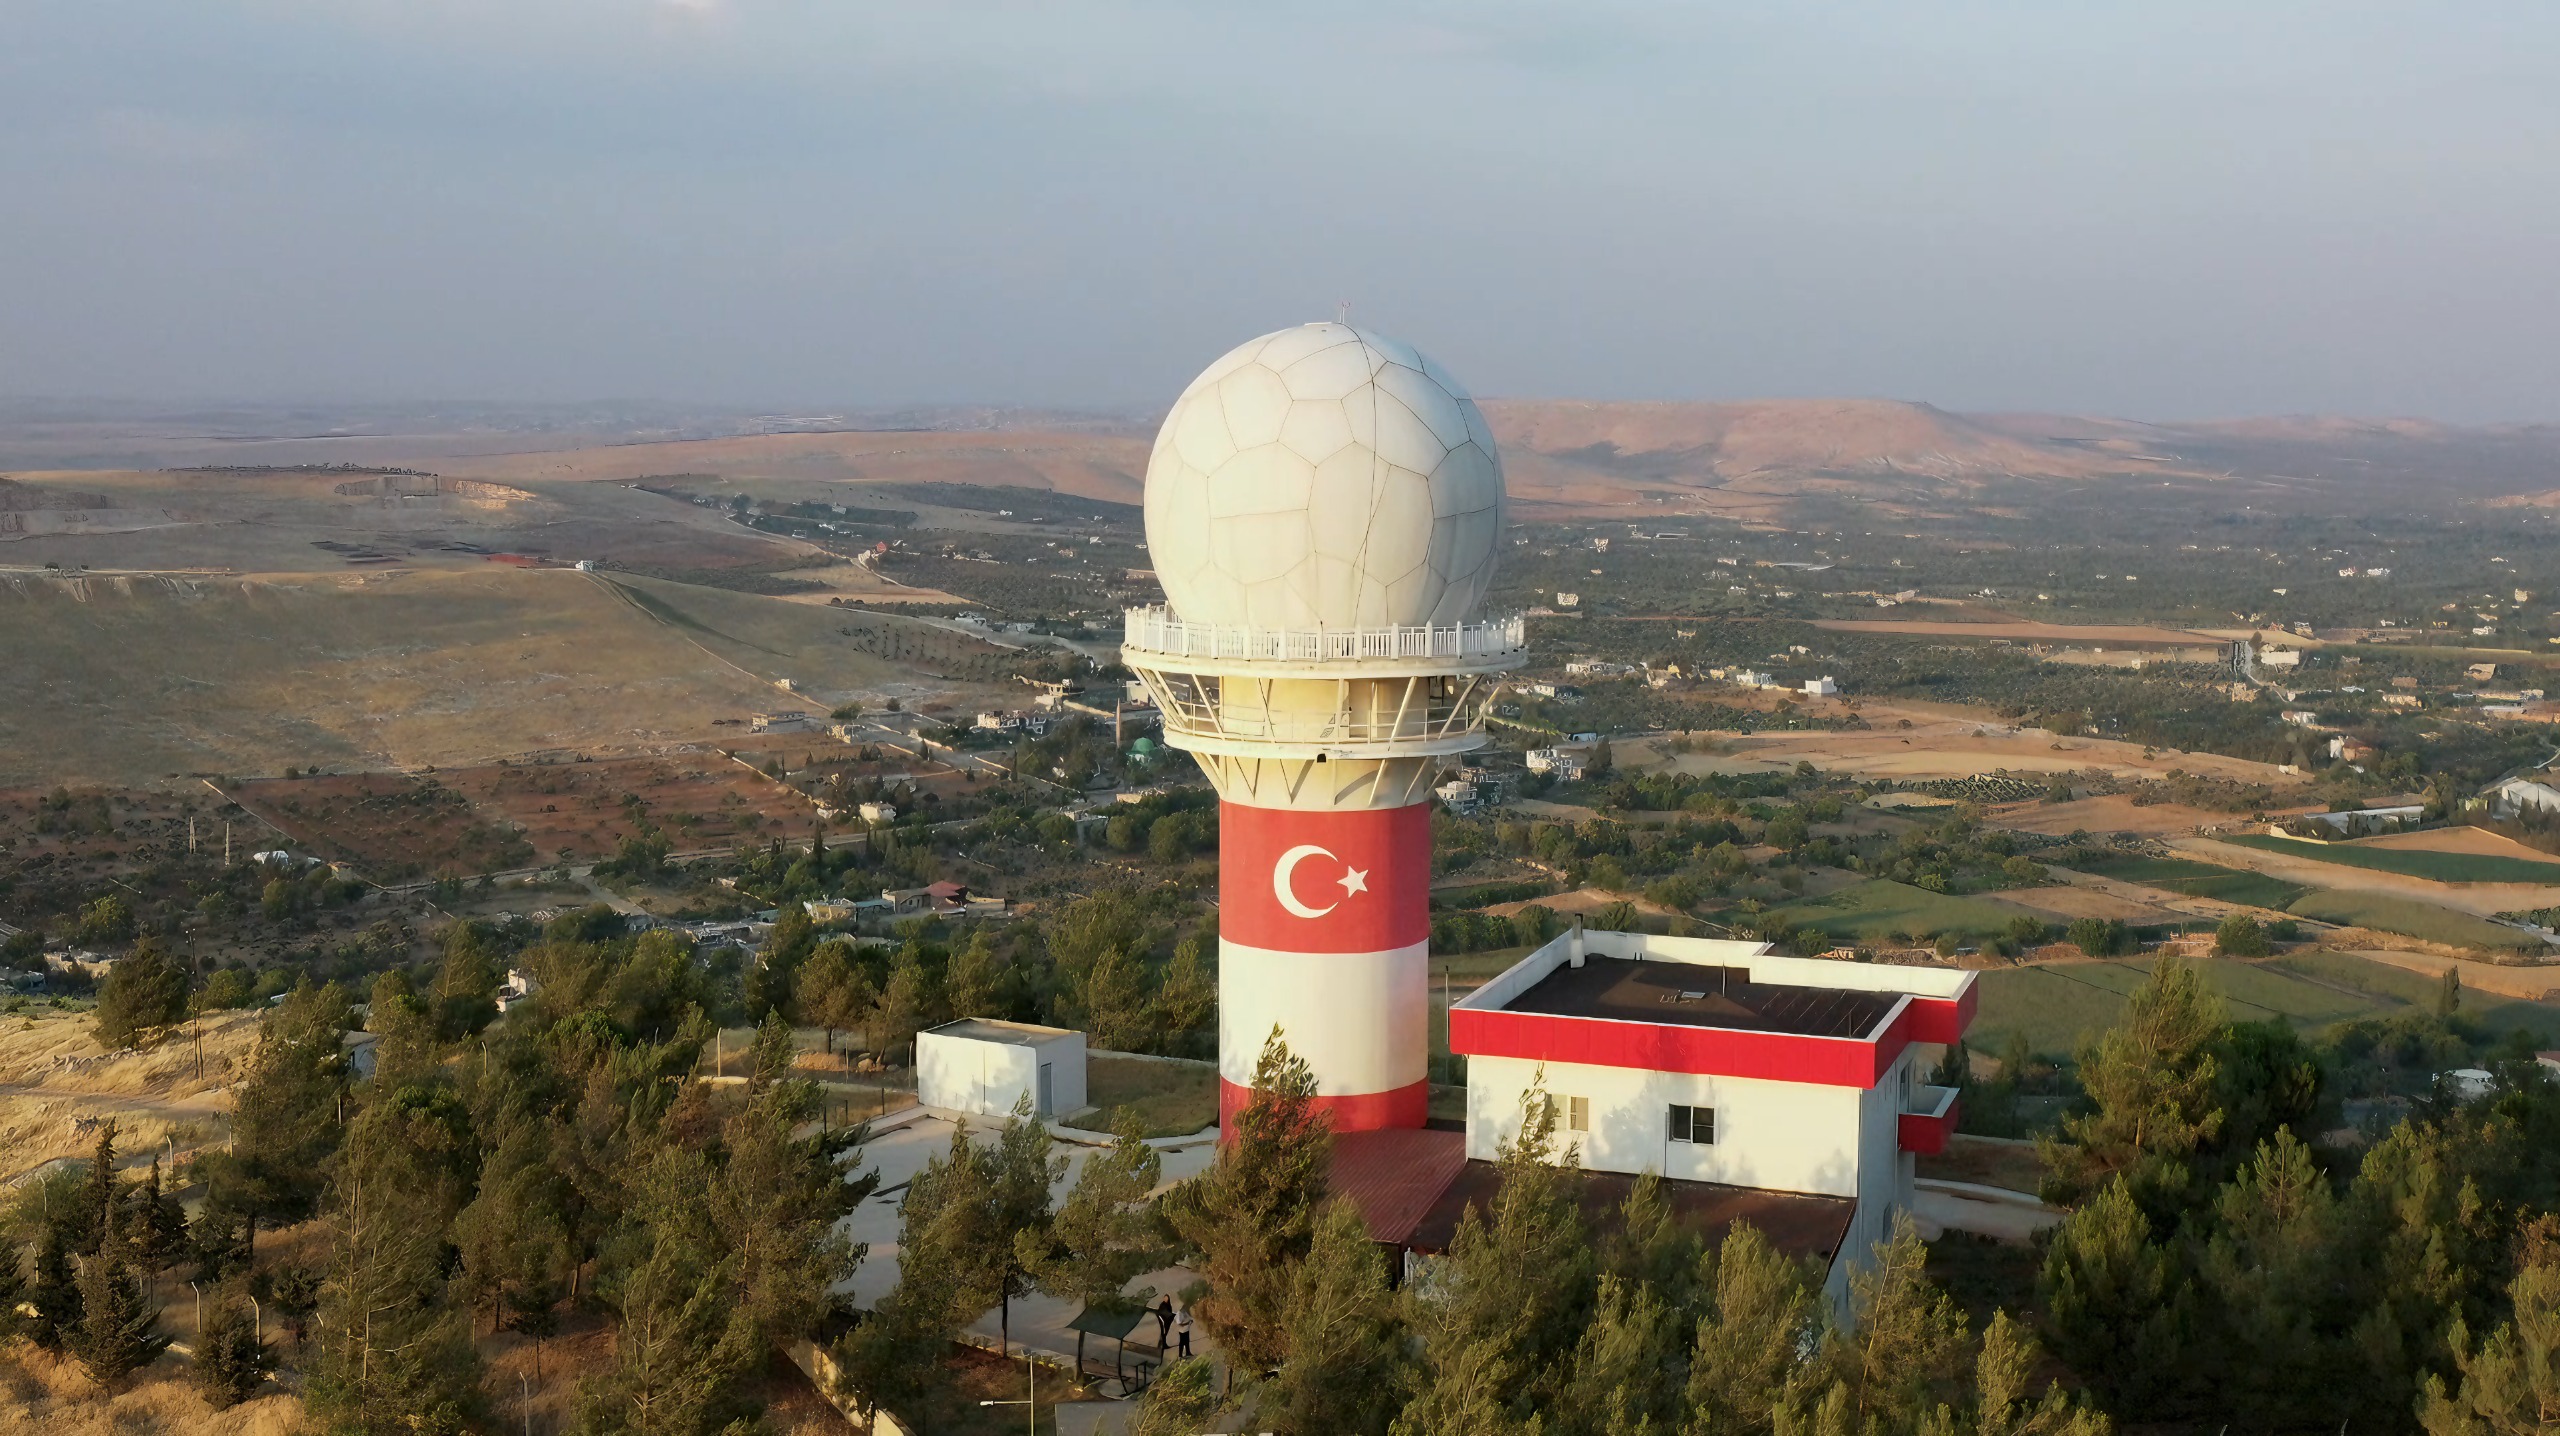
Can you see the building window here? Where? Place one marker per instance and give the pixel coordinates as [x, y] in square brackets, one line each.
[1693, 1124]
[1577, 1114]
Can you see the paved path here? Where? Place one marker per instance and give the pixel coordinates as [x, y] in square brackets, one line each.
[1038, 1321]
[1938, 1209]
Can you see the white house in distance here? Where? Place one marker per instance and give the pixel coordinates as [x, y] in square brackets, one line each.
[1786, 1092]
[982, 1067]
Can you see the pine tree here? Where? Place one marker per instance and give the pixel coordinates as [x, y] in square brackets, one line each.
[2282, 1296]
[774, 1055]
[1181, 1401]
[1513, 1293]
[119, 1328]
[1251, 1216]
[683, 1341]
[2118, 1303]
[514, 1237]
[1113, 998]
[775, 1200]
[832, 991]
[1344, 1375]
[159, 1223]
[285, 1123]
[902, 1005]
[1649, 1246]
[1903, 1354]
[144, 996]
[394, 1355]
[1762, 1313]
[99, 1194]
[944, 1228]
[1625, 1376]
[2151, 1083]
[466, 990]
[969, 981]
[2510, 1382]
[1186, 999]
[231, 1361]
[1019, 1200]
[1103, 1236]
[54, 1293]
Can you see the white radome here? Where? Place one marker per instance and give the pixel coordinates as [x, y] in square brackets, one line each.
[1324, 477]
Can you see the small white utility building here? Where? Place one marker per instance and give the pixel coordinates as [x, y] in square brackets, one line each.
[982, 1067]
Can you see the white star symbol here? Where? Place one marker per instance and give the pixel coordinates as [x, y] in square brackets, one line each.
[1353, 880]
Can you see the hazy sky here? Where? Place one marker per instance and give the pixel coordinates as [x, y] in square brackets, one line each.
[2155, 209]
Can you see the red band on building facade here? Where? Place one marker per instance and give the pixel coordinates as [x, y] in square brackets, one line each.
[1712, 1051]
[1295, 881]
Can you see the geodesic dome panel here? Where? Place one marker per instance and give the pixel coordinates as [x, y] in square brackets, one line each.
[1324, 477]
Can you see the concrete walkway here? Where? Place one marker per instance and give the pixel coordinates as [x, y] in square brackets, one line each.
[1942, 1206]
[904, 1142]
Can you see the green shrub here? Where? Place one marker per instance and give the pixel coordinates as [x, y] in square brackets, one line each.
[2099, 936]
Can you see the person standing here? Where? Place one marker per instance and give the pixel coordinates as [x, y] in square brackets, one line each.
[1182, 1333]
[1164, 1325]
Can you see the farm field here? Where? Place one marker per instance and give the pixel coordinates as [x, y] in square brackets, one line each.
[2392, 982]
[2430, 864]
[142, 681]
[2055, 1004]
[464, 821]
[1879, 908]
[2066, 902]
[2409, 918]
[1946, 742]
[2106, 813]
[2459, 840]
[699, 799]
[2189, 878]
[392, 826]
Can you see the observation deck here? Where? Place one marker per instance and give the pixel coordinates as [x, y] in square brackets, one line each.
[1321, 694]
[1158, 639]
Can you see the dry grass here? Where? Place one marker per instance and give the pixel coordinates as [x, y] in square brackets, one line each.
[2070, 902]
[53, 1077]
[1097, 466]
[57, 1398]
[2474, 842]
[137, 682]
[1949, 742]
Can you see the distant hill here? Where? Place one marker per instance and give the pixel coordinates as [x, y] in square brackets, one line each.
[1565, 455]
[1759, 459]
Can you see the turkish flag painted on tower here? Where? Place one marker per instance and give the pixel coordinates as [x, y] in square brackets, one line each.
[1296, 881]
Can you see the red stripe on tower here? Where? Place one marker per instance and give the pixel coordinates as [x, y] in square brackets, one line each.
[1296, 881]
[1406, 1106]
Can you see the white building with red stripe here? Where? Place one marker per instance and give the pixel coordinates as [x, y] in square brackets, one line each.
[1719, 1063]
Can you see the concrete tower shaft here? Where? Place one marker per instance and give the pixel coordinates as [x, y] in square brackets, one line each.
[1322, 746]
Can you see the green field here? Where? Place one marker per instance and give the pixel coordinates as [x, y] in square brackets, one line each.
[2410, 862]
[1877, 908]
[2194, 879]
[2410, 919]
[2055, 1005]
[1169, 1099]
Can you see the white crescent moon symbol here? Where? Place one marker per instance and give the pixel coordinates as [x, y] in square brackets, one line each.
[1280, 881]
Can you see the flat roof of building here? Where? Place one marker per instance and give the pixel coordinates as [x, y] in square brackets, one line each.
[988, 1029]
[1700, 995]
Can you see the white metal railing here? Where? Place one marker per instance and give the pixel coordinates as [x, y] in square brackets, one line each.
[1155, 630]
